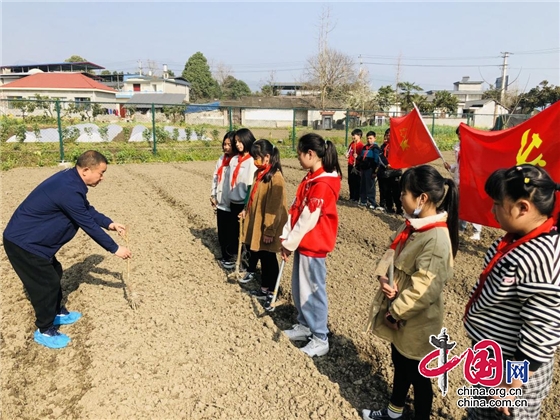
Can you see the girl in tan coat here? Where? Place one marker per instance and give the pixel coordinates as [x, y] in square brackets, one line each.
[265, 215]
[407, 313]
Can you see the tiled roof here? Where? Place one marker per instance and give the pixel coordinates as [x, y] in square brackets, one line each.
[57, 81]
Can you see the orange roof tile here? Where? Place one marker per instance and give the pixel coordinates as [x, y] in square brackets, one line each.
[57, 81]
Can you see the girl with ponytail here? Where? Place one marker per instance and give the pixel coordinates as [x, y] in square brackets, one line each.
[409, 312]
[265, 215]
[516, 301]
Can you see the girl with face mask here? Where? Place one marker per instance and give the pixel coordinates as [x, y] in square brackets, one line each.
[411, 310]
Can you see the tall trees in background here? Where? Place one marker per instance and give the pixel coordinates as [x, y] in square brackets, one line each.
[233, 88]
[75, 59]
[329, 71]
[407, 97]
[208, 86]
[197, 72]
[446, 102]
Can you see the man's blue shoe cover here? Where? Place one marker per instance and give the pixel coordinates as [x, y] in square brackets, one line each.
[51, 339]
[67, 319]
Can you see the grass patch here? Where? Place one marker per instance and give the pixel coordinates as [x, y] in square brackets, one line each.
[120, 151]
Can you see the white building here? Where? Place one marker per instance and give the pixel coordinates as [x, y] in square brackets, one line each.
[139, 84]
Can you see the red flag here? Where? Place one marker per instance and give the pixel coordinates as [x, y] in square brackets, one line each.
[536, 142]
[411, 143]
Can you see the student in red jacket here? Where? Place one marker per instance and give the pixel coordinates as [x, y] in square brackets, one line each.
[311, 234]
[354, 176]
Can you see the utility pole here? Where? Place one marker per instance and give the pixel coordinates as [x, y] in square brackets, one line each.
[504, 73]
[397, 80]
[361, 79]
[505, 56]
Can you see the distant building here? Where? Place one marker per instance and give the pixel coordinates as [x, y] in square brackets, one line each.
[481, 112]
[292, 89]
[11, 73]
[281, 111]
[136, 84]
[67, 87]
[464, 90]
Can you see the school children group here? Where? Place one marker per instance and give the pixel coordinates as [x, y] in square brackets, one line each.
[515, 302]
[368, 164]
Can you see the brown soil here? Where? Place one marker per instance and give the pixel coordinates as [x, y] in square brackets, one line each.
[198, 347]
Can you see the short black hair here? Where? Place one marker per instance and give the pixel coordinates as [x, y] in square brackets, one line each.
[358, 132]
[91, 159]
[370, 133]
[525, 181]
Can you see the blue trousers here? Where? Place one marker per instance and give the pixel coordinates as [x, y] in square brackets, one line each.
[309, 291]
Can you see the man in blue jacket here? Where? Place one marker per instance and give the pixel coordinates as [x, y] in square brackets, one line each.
[46, 220]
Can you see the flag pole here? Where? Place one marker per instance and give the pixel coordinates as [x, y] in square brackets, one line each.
[428, 131]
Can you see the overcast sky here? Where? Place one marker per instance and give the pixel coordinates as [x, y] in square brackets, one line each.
[438, 42]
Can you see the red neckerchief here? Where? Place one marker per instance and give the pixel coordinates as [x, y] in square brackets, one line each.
[299, 202]
[507, 244]
[225, 162]
[236, 170]
[260, 175]
[402, 237]
[355, 143]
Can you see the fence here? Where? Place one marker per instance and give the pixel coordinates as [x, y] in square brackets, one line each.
[193, 130]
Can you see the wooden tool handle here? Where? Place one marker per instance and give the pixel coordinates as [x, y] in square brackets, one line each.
[385, 264]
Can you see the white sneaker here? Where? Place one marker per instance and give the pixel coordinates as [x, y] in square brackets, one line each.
[298, 333]
[475, 236]
[316, 347]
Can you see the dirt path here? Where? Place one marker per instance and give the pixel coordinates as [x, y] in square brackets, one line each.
[198, 347]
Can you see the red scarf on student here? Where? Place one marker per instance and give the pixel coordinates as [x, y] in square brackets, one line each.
[236, 170]
[303, 188]
[508, 243]
[402, 237]
[225, 162]
[260, 175]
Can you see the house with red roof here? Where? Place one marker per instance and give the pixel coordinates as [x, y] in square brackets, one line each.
[64, 86]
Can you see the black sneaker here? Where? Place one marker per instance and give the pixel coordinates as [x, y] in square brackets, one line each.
[259, 294]
[268, 302]
[63, 311]
[377, 415]
[228, 265]
[247, 277]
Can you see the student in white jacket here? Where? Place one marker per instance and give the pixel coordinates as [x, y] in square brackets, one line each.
[242, 171]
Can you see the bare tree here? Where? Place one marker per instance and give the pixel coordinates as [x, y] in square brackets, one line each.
[360, 96]
[329, 70]
[221, 72]
[267, 87]
[152, 67]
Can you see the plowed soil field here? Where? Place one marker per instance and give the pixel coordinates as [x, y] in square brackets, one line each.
[199, 347]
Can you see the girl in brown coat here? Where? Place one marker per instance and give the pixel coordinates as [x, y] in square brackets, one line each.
[265, 215]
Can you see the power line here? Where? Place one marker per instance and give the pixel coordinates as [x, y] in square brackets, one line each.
[435, 65]
[543, 51]
[387, 57]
